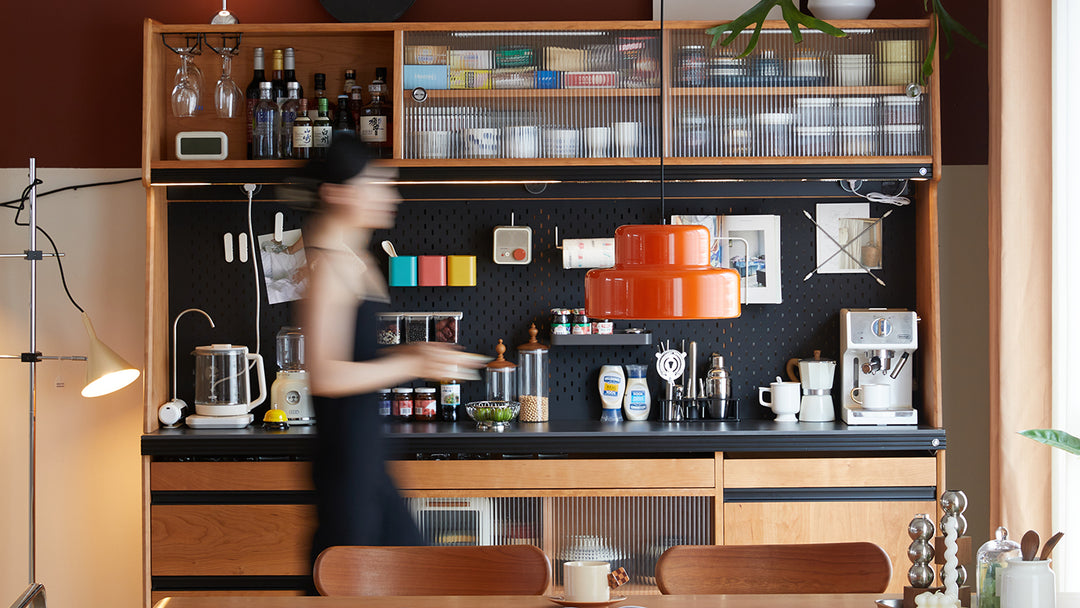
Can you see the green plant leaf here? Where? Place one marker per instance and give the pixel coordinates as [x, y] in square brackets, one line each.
[758, 14]
[1055, 438]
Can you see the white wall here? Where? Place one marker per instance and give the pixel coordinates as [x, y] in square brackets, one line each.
[88, 474]
[963, 214]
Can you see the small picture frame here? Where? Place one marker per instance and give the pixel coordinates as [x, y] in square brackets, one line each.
[752, 248]
[749, 244]
[284, 266]
[860, 235]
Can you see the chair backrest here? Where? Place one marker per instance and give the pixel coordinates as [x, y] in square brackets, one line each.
[488, 570]
[811, 568]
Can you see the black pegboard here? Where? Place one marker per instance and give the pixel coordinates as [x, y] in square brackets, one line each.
[508, 298]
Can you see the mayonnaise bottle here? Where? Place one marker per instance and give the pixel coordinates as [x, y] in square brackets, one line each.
[638, 401]
[612, 384]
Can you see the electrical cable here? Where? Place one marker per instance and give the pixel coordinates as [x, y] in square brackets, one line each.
[255, 252]
[11, 203]
[852, 186]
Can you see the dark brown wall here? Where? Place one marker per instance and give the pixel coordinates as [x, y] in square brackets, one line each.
[82, 74]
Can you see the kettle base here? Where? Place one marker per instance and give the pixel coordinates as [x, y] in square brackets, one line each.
[199, 421]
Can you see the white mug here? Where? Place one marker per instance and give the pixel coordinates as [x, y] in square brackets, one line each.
[872, 396]
[597, 142]
[784, 400]
[627, 138]
[433, 144]
[481, 143]
[586, 581]
[561, 143]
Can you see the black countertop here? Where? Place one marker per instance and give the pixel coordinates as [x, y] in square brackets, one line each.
[463, 440]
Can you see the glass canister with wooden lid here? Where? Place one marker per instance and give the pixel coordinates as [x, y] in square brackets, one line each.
[500, 377]
[533, 379]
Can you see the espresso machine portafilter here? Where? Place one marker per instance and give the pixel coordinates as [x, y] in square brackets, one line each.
[878, 345]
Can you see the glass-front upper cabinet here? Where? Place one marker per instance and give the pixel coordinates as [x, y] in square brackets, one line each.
[826, 97]
[576, 93]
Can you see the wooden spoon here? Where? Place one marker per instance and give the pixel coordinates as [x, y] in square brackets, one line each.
[1029, 545]
[1049, 546]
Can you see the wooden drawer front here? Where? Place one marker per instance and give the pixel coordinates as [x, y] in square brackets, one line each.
[829, 472]
[237, 540]
[230, 476]
[883, 523]
[554, 474]
[157, 596]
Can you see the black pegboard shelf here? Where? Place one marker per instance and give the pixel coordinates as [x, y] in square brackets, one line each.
[618, 339]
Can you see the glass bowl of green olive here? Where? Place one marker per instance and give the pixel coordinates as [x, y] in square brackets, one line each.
[493, 415]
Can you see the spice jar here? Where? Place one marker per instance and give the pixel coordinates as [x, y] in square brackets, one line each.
[389, 329]
[416, 328]
[445, 326]
[500, 377]
[533, 379]
[424, 407]
[386, 403]
[402, 409]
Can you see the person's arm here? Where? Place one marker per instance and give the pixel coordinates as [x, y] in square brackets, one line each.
[328, 316]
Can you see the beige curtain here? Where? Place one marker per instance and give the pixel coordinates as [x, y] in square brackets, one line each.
[1020, 258]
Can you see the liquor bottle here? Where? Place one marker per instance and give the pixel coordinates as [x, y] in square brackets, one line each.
[278, 76]
[350, 81]
[301, 133]
[321, 131]
[290, 72]
[266, 127]
[343, 123]
[375, 118]
[320, 92]
[252, 94]
[356, 104]
[289, 112]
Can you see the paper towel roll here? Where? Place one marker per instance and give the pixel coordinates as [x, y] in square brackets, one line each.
[588, 253]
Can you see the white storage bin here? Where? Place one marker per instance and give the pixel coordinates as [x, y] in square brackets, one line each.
[859, 141]
[815, 111]
[773, 137]
[857, 111]
[902, 140]
[815, 141]
[900, 110]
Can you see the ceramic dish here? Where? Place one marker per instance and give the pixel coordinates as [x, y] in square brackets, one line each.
[558, 599]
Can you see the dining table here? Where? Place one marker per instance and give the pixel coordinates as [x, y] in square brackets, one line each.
[839, 600]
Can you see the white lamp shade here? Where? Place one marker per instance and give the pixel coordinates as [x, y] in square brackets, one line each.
[106, 371]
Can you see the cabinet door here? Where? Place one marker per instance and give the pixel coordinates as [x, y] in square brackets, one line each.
[883, 523]
[231, 540]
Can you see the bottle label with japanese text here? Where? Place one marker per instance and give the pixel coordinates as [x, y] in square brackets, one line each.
[373, 129]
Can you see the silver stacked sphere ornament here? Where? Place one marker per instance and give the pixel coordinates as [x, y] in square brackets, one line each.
[953, 504]
[921, 551]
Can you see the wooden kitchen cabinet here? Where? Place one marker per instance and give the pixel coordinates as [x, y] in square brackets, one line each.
[242, 524]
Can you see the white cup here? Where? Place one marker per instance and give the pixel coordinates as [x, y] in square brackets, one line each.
[598, 142]
[561, 143]
[785, 398]
[481, 143]
[522, 142]
[586, 581]
[627, 138]
[872, 396]
[433, 144]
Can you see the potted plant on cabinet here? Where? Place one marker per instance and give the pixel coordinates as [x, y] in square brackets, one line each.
[726, 33]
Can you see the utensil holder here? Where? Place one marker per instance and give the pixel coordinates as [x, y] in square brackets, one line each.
[699, 409]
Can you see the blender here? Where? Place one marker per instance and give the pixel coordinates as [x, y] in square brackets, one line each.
[222, 397]
[291, 390]
[816, 377]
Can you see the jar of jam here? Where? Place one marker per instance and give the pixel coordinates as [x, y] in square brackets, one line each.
[560, 322]
[424, 405]
[402, 409]
[581, 325]
[386, 403]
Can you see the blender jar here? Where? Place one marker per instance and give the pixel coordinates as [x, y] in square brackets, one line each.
[500, 377]
[290, 349]
[533, 379]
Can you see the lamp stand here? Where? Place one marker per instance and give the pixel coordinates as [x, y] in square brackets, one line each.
[35, 593]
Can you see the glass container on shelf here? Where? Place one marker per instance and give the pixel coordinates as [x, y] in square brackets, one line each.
[990, 559]
[500, 377]
[533, 379]
[266, 125]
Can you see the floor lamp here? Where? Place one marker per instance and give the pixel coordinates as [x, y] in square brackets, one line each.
[105, 372]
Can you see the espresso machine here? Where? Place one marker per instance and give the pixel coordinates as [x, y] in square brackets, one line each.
[878, 346]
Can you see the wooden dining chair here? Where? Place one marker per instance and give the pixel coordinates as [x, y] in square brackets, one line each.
[487, 570]
[811, 568]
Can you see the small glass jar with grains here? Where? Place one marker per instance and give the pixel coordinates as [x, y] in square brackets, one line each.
[389, 329]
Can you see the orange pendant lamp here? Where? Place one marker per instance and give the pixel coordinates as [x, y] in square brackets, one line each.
[662, 272]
